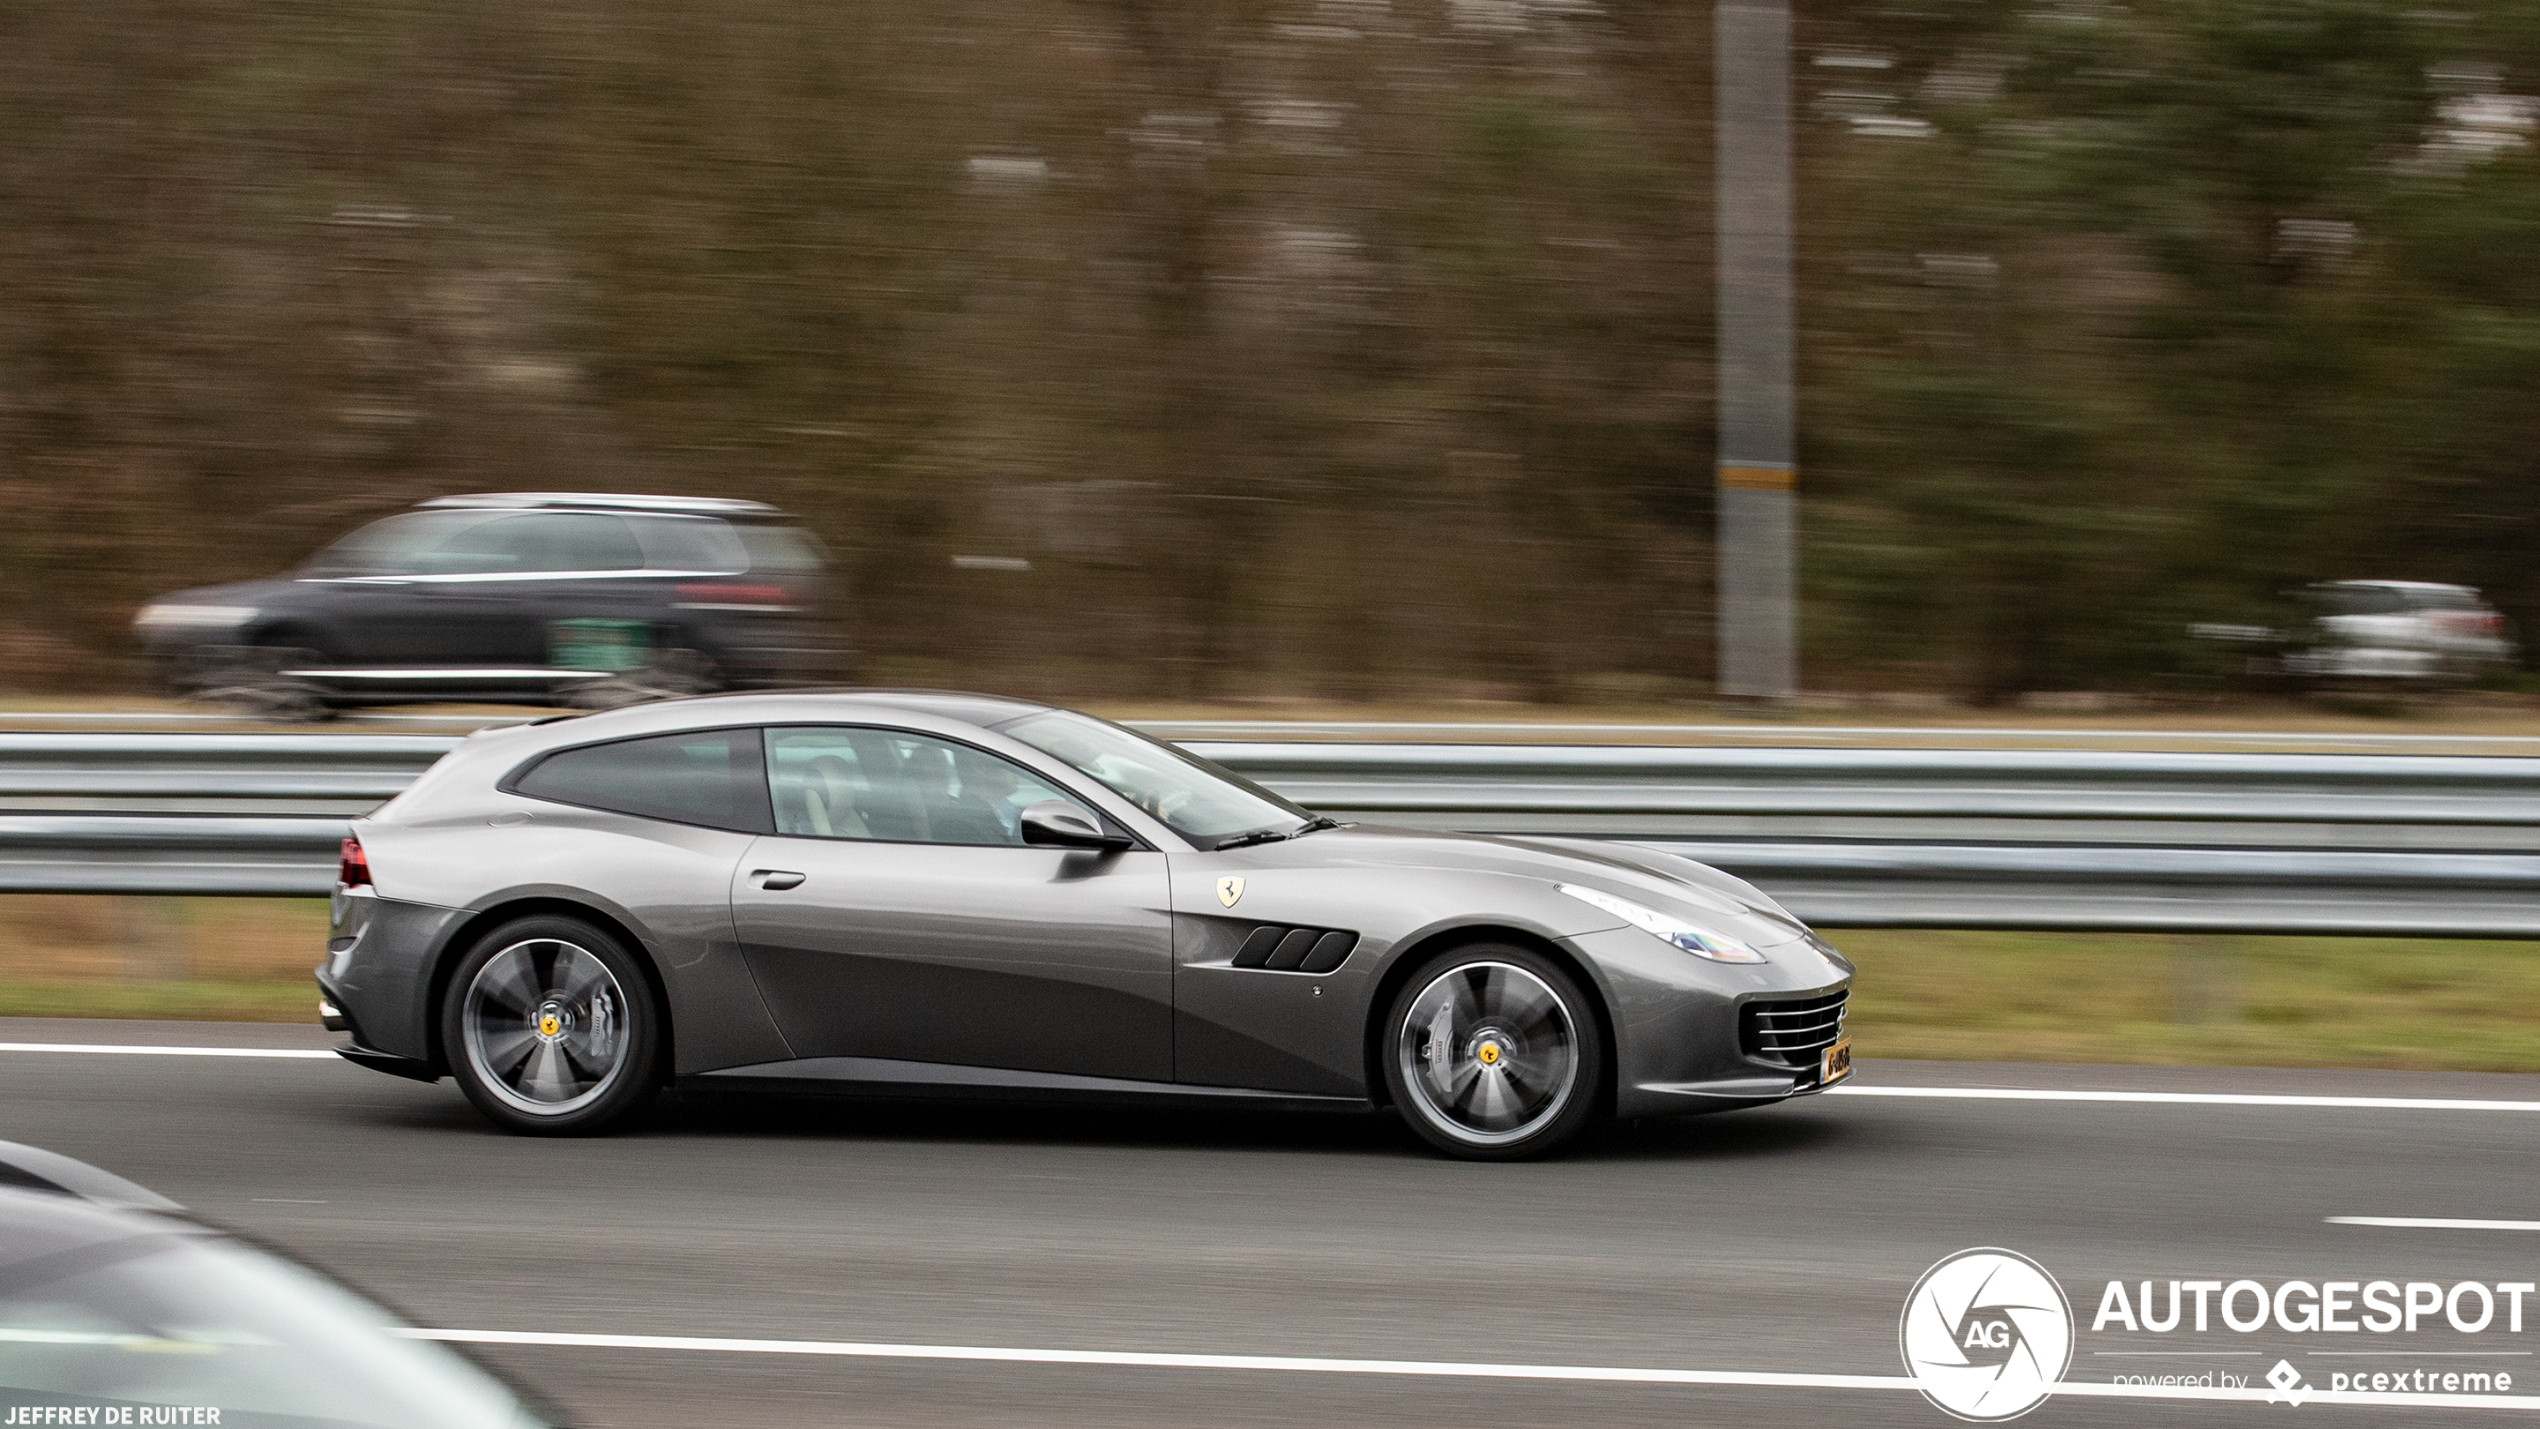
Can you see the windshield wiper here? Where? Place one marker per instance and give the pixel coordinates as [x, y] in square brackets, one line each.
[1271, 836]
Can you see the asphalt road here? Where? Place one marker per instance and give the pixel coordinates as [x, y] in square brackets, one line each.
[1781, 1240]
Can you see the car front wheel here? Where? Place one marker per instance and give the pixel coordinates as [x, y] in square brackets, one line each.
[551, 1029]
[1491, 1053]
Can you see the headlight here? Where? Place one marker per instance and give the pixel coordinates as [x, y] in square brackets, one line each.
[192, 617]
[1697, 941]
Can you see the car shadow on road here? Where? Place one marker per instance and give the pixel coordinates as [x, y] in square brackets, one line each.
[1727, 1136]
[1721, 1136]
[709, 1114]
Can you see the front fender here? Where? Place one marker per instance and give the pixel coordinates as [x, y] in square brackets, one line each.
[1675, 1020]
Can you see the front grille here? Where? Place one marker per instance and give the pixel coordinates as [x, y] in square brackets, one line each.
[1791, 1034]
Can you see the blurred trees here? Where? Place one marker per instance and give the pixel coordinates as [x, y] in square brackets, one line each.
[1317, 346]
[2144, 312]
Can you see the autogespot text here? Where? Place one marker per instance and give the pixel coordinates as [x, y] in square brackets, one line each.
[2444, 1313]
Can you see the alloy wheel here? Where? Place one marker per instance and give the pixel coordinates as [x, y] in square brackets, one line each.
[546, 1027]
[1489, 1053]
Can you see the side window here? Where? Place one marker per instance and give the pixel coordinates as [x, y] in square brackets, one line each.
[711, 777]
[540, 541]
[840, 782]
[403, 545]
[689, 543]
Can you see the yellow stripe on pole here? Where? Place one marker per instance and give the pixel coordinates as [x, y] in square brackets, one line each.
[1758, 478]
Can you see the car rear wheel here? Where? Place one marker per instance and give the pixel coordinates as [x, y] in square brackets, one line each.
[257, 681]
[1491, 1053]
[550, 1028]
[670, 675]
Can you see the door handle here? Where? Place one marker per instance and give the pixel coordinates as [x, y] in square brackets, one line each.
[776, 880]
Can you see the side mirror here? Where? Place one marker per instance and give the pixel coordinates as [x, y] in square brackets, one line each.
[1055, 823]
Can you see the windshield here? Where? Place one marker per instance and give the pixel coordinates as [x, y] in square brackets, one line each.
[393, 547]
[183, 1320]
[1193, 797]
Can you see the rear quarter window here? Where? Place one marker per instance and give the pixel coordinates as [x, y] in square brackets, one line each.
[783, 549]
[690, 543]
[711, 777]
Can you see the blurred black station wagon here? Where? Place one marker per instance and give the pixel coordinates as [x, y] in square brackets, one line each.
[535, 597]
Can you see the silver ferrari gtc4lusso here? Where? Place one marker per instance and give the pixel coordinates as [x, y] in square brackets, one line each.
[916, 893]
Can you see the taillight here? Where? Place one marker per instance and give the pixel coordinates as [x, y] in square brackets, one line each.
[352, 870]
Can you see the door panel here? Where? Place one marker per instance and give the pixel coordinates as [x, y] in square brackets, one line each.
[1041, 960]
[631, 603]
[386, 622]
[476, 622]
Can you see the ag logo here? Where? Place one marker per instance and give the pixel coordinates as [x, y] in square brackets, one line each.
[1987, 1334]
[1228, 890]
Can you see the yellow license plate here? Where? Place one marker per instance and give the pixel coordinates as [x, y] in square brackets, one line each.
[1837, 1064]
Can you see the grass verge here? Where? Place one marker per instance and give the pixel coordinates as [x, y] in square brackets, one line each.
[2413, 1003]
[2028, 997]
[272, 1000]
[192, 959]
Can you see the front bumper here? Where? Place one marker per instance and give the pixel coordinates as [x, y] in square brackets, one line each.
[1677, 1047]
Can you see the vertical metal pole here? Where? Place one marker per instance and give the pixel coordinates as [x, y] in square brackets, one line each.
[1757, 564]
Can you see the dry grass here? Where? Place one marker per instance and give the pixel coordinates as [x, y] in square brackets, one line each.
[218, 959]
[1901, 719]
[2421, 1004]
[2030, 997]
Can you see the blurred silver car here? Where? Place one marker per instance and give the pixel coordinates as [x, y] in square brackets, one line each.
[918, 893]
[2385, 633]
[114, 1308]
[2401, 631]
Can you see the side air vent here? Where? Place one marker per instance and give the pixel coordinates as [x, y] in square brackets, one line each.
[1275, 948]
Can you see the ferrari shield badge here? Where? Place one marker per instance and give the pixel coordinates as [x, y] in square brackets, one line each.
[1228, 890]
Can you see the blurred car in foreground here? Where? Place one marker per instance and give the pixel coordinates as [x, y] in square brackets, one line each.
[917, 893]
[537, 597]
[115, 1309]
[2379, 633]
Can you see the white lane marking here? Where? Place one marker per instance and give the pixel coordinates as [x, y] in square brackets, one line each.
[1442, 1369]
[2024, 1094]
[2433, 1223]
[1148, 1360]
[167, 1051]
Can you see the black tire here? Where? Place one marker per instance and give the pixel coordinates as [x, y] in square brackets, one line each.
[252, 680]
[675, 674]
[1492, 1052]
[551, 1028]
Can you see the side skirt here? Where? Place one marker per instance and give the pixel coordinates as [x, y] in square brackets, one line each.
[882, 1077]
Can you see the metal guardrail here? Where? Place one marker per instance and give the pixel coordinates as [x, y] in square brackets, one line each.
[2427, 844]
[1791, 735]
